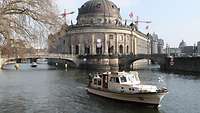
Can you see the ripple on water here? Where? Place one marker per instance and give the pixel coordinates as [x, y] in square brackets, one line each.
[47, 90]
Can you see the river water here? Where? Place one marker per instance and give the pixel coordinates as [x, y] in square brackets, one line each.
[46, 89]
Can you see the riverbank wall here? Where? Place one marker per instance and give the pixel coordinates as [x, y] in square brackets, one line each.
[185, 64]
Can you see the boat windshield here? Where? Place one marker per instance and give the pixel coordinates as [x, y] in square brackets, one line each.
[123, 79]
[114, 79]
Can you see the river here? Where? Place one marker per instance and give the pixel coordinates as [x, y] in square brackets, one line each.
[46, 89]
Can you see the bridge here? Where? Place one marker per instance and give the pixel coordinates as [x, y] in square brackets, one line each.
[65, 57]
[125, 61]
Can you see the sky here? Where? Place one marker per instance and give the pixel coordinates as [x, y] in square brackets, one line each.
[172, 20]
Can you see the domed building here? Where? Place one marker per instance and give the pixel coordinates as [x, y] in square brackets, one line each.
[100, 36]
[182, 44]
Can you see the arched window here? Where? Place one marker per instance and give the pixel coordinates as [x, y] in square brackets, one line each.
[99, 50]
[111, 50]
[121, 49]
[87, 50]
[77, 50]
[70, 49]
[127, 49]
[99, 47]
[91, 21]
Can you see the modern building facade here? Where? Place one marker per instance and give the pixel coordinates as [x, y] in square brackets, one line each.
[100, 31]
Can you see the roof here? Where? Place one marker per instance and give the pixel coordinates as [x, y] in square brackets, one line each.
[100, 7]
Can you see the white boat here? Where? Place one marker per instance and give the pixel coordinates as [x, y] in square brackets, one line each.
[125, 86]
[41, 61]
[34, 64]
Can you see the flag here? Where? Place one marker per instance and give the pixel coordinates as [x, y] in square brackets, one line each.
[131, 15]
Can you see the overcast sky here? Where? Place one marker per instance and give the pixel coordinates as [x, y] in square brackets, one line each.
[172, 20]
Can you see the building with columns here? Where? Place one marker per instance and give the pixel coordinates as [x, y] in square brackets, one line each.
[101, 31]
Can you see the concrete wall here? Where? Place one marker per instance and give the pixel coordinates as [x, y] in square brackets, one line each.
[187, 64]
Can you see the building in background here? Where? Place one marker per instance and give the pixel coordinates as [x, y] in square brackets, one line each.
[100, 31]
[188, 50]
[198, 48]
[154, 43]
[160, 46]
[176, 52]
[183, 50]
[157, 45]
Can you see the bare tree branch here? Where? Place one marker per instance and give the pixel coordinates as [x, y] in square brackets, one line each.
[24, 18]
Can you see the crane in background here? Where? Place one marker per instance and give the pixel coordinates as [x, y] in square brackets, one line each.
[141, 21]
[137, 21]
[65, 14]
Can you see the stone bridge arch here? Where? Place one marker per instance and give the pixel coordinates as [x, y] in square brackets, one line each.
[127, 60]
[61, 59]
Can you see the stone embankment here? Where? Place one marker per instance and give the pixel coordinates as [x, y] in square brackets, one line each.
[185, 64]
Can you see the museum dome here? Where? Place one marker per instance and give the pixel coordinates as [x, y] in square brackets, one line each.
[99, 8]
[182, 44]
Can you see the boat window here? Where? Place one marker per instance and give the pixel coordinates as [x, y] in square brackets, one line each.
[117, 80]
[123, 79]
[114, 79]
[95, 81]
[99, 82]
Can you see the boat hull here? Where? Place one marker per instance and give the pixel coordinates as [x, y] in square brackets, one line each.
[143, 98]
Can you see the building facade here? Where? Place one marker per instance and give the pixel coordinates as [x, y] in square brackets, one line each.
[100, 31]
[157, 44]
[198, 48]
[154, 43]
[160, 46]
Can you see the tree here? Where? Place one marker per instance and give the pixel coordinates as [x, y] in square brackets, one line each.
[23, 19]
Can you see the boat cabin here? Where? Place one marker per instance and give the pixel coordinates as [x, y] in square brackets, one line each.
[116, 82]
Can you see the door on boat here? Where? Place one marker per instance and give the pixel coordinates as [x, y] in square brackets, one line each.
[105, 81]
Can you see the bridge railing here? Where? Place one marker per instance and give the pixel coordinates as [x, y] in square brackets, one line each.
[42, 55]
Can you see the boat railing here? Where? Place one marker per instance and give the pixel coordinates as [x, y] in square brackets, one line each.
[147, 88]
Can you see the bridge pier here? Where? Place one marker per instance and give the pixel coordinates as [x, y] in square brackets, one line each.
[61, 63]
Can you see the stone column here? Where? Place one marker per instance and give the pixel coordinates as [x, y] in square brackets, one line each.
[125, 44]
[116, 44]
[131, 43]
[135, 44]
[106, 44]
[72, 49]
[93, 46]
[81, 45]
[79, 50]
